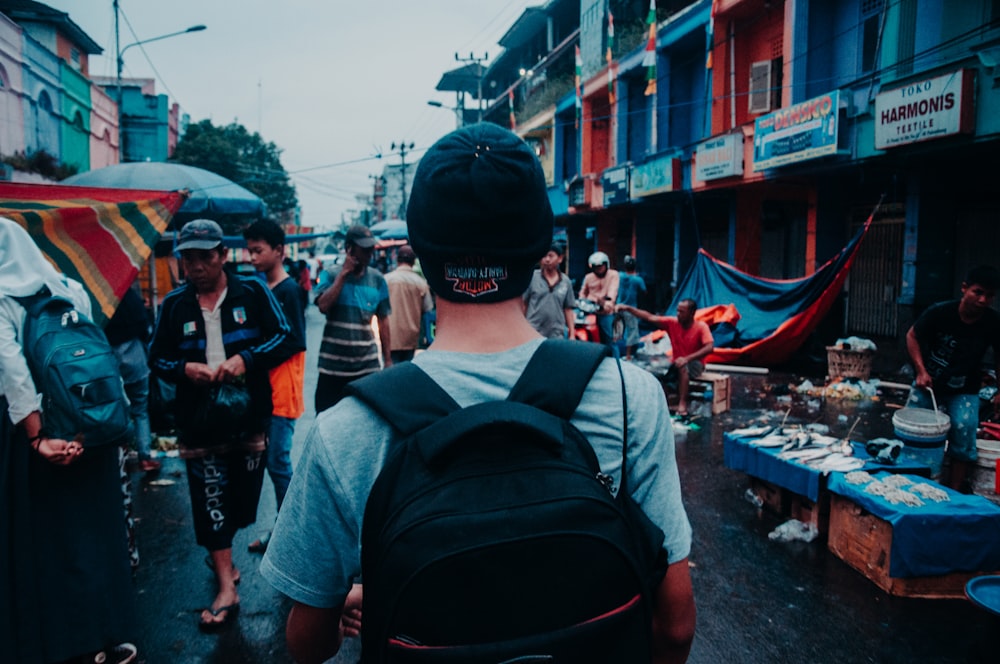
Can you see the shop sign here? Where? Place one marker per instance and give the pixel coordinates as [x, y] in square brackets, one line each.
[803, 131]
[614, 182]
[655, 177]
[935, 108]
[721, 157]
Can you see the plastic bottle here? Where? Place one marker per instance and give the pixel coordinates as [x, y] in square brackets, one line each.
[753, 498]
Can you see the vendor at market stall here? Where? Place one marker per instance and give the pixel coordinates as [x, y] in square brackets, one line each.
[690, 341]
[947, 344]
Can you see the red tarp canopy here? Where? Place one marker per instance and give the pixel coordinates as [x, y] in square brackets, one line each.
[757, 321]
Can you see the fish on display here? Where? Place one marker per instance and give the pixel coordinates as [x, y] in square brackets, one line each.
[771, 440]
[752, 432]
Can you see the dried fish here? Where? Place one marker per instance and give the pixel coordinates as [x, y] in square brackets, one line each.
[858, 477]
[931, 492]
[893, 494]
[897, 481]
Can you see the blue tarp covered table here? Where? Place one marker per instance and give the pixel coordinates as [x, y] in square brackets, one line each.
[763, 463]
[958, 535]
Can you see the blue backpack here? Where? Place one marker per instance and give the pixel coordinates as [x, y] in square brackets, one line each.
[76, 372]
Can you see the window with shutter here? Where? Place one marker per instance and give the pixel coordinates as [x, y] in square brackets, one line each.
[760, 86]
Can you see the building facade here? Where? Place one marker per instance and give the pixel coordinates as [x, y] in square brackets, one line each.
[49, 103]
[772, 133]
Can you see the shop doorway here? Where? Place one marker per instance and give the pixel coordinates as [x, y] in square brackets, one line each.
[874, 283]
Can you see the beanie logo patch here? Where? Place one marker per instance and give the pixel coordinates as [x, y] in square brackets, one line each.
[475, 280]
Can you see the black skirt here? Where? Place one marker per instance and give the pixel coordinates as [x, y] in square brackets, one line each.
[65, 580]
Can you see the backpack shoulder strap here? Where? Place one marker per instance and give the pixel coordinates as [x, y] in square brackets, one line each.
[557, 375]
[34, 304]
[405, 396]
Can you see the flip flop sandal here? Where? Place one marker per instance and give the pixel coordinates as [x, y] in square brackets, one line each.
[211, 565]
[232, 610]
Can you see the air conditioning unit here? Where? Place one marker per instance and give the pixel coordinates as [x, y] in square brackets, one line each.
[760, 86]
[583, 192]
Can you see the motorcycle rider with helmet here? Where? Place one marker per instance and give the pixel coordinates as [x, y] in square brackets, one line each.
[600, 286]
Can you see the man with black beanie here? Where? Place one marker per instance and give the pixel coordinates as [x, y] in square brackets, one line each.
[479, 220]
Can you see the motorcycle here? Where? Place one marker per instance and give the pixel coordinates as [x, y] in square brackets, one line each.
[585, 323]
[585, 327]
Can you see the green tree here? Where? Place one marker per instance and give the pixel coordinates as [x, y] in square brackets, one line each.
[245, 158]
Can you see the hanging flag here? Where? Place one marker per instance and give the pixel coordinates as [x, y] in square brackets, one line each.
[510, 105]
[579, 90]
[711, 34]
[610, 58]
[649, 59]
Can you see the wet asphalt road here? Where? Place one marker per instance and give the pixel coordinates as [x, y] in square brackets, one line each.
[758, 600]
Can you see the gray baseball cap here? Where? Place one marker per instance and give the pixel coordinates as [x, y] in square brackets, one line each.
[200, 234]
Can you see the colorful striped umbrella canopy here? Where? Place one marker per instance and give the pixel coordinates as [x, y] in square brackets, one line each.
[100, 237]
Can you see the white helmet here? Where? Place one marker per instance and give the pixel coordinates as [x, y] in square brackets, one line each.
[598, 258]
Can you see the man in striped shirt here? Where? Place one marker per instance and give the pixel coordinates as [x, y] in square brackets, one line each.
[350, 294]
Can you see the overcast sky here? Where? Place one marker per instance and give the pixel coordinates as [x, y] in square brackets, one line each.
[330, 82]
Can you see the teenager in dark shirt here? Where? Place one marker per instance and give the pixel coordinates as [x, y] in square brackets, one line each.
[266, 244]
[947, 344]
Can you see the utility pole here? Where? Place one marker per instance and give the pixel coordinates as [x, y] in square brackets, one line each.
[472, 59]
[378, 196]
[403, 148]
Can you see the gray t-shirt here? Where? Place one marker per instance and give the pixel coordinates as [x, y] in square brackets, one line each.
[546, 306]
[315, 550]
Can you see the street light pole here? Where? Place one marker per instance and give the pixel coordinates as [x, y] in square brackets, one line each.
[457, 109]
[120, 64]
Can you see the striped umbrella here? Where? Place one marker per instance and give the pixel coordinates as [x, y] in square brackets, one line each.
[100, 237]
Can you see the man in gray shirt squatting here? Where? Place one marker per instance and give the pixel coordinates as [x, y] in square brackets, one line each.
[479, 219]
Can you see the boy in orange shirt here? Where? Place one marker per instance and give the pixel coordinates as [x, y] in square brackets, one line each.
[690, 339]
[266, 244]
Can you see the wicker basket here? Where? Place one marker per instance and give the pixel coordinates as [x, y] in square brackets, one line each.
[847, 363]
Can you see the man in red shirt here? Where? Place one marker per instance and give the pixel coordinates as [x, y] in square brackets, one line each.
[690, 340]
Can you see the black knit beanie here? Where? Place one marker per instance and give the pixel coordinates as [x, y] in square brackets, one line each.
[479, 216]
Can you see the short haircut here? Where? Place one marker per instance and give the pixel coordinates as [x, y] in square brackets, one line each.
[265, 230]
[986, 276]
[405, 255]
[694, 305]
[558, 248]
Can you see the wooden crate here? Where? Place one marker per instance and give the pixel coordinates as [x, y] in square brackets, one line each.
[785, 503]
[775, 499]
[815, 513]
[864, 541]
[721, 385]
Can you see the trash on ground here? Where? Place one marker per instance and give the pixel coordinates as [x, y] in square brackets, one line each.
[794, 531]
[851, 389]
[752, 497]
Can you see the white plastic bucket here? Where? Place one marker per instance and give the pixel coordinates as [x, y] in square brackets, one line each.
[984, 473]
[924, 432]
[989, 452]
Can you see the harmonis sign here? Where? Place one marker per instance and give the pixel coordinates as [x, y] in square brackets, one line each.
[925, 110]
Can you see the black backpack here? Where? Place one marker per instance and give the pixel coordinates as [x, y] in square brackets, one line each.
[491, 534]
[76, 372]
